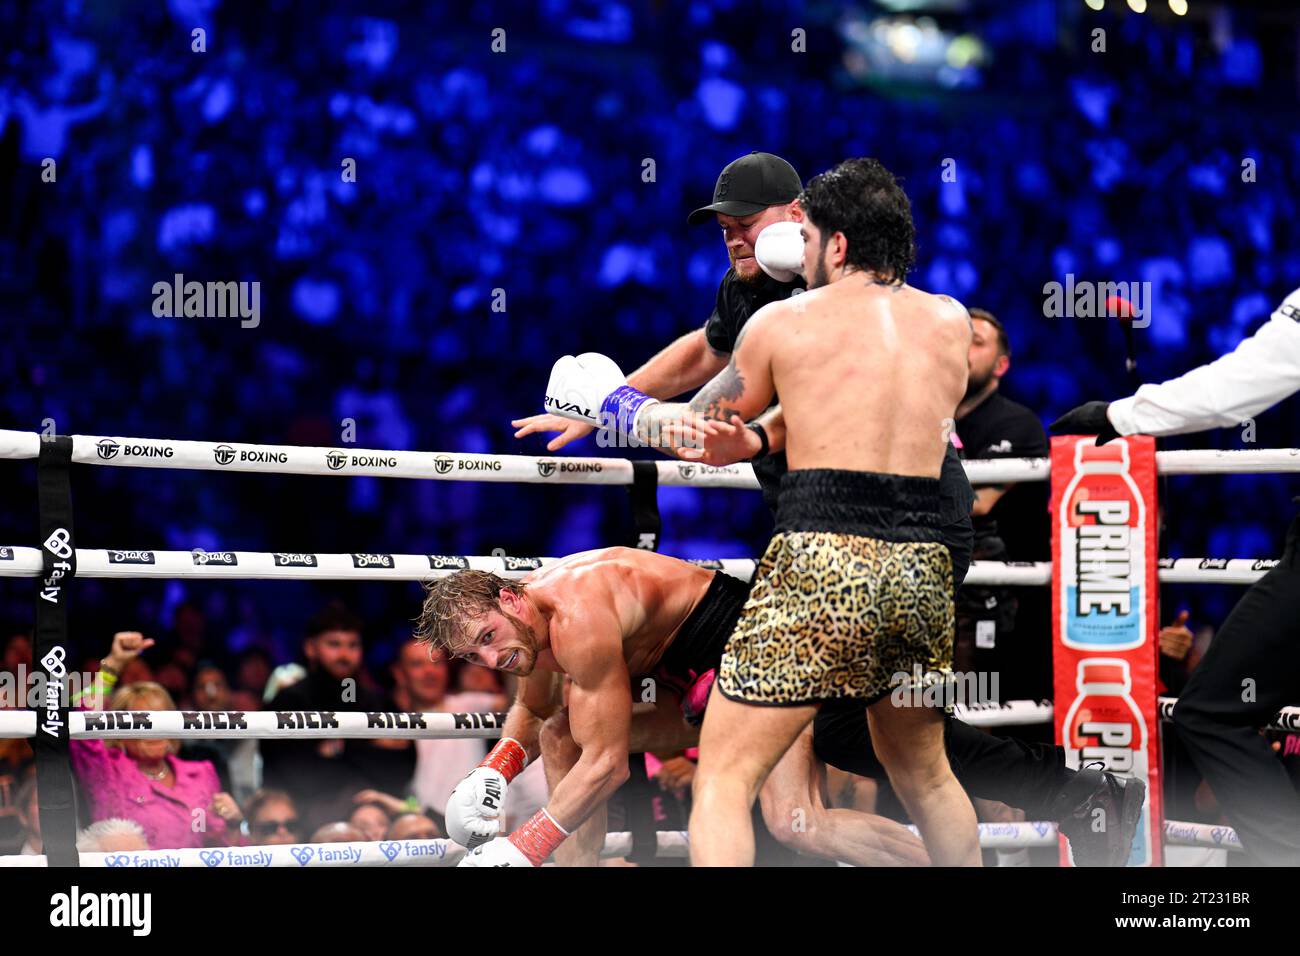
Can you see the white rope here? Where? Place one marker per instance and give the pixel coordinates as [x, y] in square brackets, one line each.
[259, 724]
[1011, 713]
[117, 451]
[669, 844]
[298, 856]
[1021, 713]
[18, 562]
[263, 724]
[120, 452]
[993, 836]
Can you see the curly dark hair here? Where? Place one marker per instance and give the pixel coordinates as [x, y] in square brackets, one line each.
[863, 200]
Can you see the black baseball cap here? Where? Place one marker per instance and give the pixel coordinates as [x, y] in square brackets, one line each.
[749, 185]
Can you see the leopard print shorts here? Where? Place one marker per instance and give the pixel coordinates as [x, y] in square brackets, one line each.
[835, 615]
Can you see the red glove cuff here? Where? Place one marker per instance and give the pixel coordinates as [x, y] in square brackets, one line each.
[538, 838]
[507, 757]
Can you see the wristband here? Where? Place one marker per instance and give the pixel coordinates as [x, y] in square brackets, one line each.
[621, 407]
[508, 758]
[761, 432]
[538, 838]
[108, 669]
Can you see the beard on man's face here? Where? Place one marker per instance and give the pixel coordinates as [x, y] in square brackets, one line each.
[976, 382]
[526, 639]
[755, 273]
[821, 275]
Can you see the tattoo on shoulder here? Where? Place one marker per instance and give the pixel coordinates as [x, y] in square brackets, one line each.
[713, 399]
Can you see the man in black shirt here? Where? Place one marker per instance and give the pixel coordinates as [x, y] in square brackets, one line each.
[752, 193]
[322, 776]
[1003, 630]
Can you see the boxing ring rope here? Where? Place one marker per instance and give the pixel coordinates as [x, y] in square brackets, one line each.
[446, 466]
[21, 562]
[669, 844]
[260, 724]
[348, 461]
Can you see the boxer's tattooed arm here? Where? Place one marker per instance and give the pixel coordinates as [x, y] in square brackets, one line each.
[712, 401]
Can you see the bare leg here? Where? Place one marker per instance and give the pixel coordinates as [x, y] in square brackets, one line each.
[909, 742]
[654, 727]
[560, 753]
[848, 791]
[739, 746]
[796, 812]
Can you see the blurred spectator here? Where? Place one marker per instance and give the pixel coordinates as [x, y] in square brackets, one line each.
[251, 674]
[112, 835]
[371, 820]
[323, 775]
[178, 803]
[475, 679]
[29, 816]
[17, 654]
[413, 826]
[338, 832]
[234, 758]
[994, 636]
[272, 819]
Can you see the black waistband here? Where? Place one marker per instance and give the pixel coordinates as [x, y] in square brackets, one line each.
[699, 643]
[867, 503]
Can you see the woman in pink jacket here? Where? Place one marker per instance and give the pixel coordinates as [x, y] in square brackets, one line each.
[179, 803]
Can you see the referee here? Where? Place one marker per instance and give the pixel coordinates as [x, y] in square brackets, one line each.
[1252, 668]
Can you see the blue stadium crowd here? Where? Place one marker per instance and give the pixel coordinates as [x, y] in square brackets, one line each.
[522, 179]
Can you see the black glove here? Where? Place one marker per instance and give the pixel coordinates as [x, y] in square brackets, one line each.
[1087, 419]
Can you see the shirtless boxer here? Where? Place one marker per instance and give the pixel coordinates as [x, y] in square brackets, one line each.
[855, 585]
[701, 617]
[609, 620]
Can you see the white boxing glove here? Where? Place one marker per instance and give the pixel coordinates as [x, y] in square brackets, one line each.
[779, 251]
[497, 853]
[592, 388]
[530, 845]
[474, 809]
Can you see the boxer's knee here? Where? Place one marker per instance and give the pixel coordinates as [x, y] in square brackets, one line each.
[794, 822]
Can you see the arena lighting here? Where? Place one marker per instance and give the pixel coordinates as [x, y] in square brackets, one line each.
[1138, 6]
[1095, 4]
[1179, 7]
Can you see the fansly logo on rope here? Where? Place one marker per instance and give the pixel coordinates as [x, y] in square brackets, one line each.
[54, 665]
[59, 544]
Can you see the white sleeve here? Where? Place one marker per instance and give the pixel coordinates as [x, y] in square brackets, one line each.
[1253, 377]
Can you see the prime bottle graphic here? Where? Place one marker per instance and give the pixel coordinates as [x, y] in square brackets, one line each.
[1104, 728]
[1102, 525]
